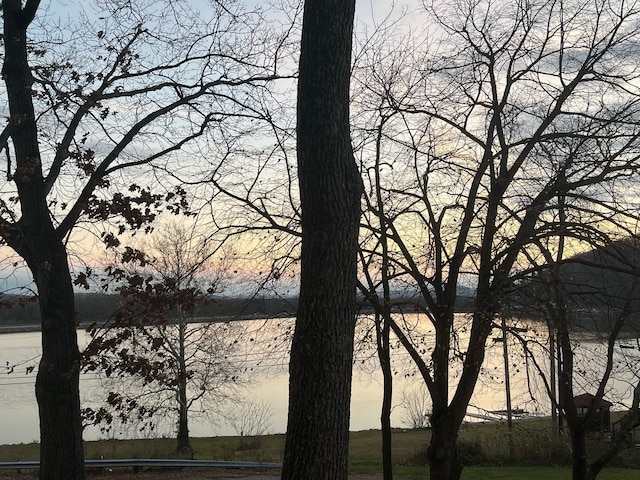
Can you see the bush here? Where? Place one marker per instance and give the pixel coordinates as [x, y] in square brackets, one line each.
[419, 457]
[471, 453]
[629, 458]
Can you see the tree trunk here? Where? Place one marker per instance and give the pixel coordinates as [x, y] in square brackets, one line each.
[183, 419]
[443, 450]
[383, 333]
[34, 238]
[447, 416]
[183, 407]
[317, 442]
[579, 453]
[57, 382]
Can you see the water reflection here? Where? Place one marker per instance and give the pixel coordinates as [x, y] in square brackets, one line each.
[264, 352]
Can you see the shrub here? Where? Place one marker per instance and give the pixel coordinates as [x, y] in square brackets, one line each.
[471, 453]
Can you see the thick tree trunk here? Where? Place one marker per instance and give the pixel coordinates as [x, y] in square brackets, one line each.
[443, 450]
[447, 416]
[317, 442]
[579, 453]
[36, 240]
[57, 382]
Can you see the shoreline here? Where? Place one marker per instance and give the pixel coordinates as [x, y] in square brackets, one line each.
[33, 327]
[19, 329]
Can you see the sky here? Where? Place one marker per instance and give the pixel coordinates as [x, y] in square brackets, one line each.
[83, 244]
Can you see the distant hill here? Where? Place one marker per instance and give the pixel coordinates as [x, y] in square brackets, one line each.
[597, 285]
[21, 312]
[605, 277]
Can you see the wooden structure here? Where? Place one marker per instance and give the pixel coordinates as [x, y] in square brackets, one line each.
[601, 419]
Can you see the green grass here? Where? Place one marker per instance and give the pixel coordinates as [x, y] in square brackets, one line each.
[537, 473]
[366, 446]
[500, 473]
[531, 439]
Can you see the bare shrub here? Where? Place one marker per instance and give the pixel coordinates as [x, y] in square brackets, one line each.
[417, 408]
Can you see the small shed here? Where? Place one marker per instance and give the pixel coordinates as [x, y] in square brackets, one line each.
[601, 420]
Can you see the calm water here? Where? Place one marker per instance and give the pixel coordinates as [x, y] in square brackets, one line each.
[18, 410]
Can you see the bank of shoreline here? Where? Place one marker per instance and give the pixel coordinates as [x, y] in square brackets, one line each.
[365, 458]
[28, 328]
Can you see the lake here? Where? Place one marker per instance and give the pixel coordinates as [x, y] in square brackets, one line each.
[269, 385]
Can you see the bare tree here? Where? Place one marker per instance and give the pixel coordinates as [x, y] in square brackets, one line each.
[417, 408]
[589, 295]
[163, 361]
[479, 130]
[130, 87]
[251, 419]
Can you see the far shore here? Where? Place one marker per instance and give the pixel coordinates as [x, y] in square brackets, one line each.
[19, 328]
[36, 327]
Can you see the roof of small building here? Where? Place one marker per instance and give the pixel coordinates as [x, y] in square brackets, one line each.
[586, 399]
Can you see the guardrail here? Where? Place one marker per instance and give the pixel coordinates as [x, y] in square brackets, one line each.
[144, 462]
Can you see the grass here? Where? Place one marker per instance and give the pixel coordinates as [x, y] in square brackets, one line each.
[501, 473]
[533, 448]
[536, 473]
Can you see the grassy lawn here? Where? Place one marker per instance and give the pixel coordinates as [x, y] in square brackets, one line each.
[537, 473]
[365, 457]
[402, 472]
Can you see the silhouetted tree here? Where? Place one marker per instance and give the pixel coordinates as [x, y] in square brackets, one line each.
[125, 89]
[317, 443]
[592, 295]
[467, 140]
[156, 358]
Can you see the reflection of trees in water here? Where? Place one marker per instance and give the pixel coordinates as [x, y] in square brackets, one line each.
[229, 359]
[149, 398]
[265, 358]
[528, 391]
